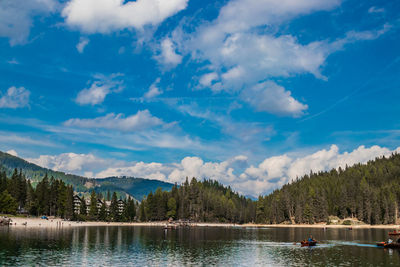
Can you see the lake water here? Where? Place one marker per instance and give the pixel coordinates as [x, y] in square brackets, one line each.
[154, 246]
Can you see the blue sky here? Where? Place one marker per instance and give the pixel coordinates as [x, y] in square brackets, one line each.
[249, 92]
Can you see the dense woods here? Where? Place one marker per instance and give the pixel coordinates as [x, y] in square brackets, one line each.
[136, 187]
[52, 197]
[198, 201]
[369, 192]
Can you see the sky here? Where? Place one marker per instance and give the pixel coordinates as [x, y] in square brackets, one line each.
[252, 93]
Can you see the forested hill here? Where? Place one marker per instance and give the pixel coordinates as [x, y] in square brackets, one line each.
[201, 201]
[136, 187]
[369, 192]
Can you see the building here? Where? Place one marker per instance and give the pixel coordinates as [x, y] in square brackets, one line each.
[77, 204]
[121, 206]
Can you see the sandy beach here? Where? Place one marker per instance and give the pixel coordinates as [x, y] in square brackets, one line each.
[57, 223]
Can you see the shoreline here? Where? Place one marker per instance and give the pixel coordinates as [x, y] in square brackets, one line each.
[19, 222]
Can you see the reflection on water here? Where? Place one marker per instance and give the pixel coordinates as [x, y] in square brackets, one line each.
[154, 246]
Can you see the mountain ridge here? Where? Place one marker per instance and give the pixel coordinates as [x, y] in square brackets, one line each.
[133, 186]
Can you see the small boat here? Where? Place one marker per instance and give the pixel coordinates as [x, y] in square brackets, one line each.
[308, 243]
[392, 245]
[394, 233]
[381, 244]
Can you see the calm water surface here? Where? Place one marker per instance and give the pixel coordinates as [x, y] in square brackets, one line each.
[153, 246]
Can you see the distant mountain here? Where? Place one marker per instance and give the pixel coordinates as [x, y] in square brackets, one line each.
[136, 187]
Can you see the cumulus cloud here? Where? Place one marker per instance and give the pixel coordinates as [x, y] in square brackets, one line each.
[105, 16]
[243, 46]
[270, 174]
[16, 17]
[83, 42]
[15, 97]
[244, 56]
[270, 97]
[168, 55]
[71, 162]
[140, 169]
[99, 89]
[154, 90]
[140, 121]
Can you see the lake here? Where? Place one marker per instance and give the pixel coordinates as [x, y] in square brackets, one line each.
[154, 246]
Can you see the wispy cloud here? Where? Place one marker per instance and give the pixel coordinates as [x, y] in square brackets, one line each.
[15, 97]
[99, 89]
[16, 17]
[154, 89]
[83, 42]
[142, 120]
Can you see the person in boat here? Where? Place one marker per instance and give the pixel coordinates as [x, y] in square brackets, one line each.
[389, 241]
[311, 239]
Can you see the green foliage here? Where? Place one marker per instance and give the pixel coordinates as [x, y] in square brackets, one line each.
[136, 187]
[369, 192]
[83, 207]
[171, 208]
[114, 215]
[346, 222]
[93, 212]
[198, 201]
[7, 203]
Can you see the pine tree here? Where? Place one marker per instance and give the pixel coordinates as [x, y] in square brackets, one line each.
[69, 203]
[171, 208]
[31, 201]
[8, 204]
[103, 212]
[114, 214]
[93, 212]
[83, 207]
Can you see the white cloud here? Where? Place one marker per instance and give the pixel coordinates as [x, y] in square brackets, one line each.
[16, 17]
[140, 169]
[105, 16]
[100, 88]
[270, 97]
[83, 42]
[207, 79]
[270, 174]
[284, 169]
[177, 172]
[12, 152]
[154, 90]
[375, 9]
[230, 41]
[244, 46]
[168, 55]
[71, 162]
[140, 121]
[16, 97]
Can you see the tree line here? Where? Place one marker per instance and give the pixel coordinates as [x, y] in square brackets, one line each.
[198, 201]
[53, 197]
[369, 192]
